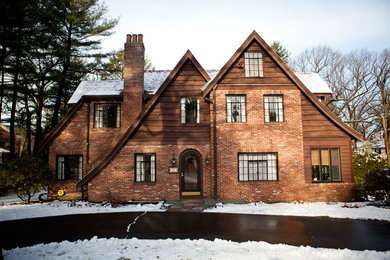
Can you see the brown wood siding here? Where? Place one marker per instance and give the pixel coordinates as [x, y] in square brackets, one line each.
[315, 124]
[319, 132]
[272, 73]
[162, 125]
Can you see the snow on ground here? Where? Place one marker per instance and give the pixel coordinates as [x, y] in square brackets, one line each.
[13, 198]
[114, 248]
[355, 210]
[56, 208]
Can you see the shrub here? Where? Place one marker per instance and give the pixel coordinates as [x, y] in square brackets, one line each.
[377, 184]
[364, 163]
[25, 176]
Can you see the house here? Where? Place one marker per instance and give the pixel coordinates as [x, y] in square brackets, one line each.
[251, 131]
[4, 144]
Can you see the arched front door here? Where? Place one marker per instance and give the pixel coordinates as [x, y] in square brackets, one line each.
[190, 174]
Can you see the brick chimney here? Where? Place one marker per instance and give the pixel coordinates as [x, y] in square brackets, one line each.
[133, 75]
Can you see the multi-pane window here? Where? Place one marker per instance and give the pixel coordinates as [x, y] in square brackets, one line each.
[236, 108]
[325, 164]
[273, 108]
[69, 167]
[253, 64]
[107, 116]
[145, 167]
[257, 167]
[189, 111]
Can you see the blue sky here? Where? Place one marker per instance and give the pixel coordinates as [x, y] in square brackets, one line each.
[213, 30]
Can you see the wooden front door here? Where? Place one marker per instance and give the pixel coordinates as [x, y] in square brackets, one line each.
[190, 174]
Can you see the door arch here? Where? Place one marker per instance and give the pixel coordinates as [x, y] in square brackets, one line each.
[190, 176]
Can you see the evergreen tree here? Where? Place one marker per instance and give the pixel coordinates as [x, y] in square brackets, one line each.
[80, 26]
[277, 47]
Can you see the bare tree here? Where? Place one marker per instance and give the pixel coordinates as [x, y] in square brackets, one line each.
[380, 104]
[350, 78]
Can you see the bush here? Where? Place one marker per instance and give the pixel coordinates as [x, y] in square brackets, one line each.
[25, 176]
[377, 184]
[364, 163]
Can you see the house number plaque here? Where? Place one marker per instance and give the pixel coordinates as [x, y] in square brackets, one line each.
[173, 170]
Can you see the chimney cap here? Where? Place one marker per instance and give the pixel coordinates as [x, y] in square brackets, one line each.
[134, 38]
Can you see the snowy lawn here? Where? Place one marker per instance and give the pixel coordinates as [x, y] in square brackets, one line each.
[56, 208]
[114, 248]
[355, 210]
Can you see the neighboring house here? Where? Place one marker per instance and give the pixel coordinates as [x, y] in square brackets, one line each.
[4, 144]
[380, 148]
[253, 131]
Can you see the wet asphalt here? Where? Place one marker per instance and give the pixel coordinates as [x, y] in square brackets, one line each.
[291, 230]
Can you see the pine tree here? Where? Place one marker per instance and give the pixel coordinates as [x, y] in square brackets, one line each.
[81, 24]
[277, 47]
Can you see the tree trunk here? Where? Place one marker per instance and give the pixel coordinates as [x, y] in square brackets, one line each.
[3, 53]
[38, 127]
[28, 123]
[13, 106]
[62, 82]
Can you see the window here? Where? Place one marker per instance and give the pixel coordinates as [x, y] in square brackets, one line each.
[253, 64]
[236, 108]
[257, 166]
[107, 116]
[69, 167]
[325, 164]
[190, 111]
[145, 167]
[273, 108]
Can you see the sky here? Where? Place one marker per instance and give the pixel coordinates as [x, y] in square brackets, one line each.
[213, 30]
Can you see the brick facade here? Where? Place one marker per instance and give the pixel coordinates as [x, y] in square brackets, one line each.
[159, 131]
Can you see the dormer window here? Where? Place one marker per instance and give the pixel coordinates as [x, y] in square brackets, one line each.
[107, 116]
[253, 64]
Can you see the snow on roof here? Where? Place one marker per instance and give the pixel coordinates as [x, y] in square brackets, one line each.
[154, 79]
[97, 88]
[152, 82]
[2, 150]
[314, 83]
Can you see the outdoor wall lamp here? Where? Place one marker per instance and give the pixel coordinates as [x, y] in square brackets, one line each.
[207, 160]
[173, 160]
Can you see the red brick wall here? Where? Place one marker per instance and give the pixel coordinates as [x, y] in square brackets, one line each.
[116, 181]
[72, 140]
[284, 138]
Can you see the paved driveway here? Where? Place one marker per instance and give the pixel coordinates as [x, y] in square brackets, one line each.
[292, 230]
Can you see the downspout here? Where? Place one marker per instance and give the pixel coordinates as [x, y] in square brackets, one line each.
[84, 187]
[87, 141]
[215, 141]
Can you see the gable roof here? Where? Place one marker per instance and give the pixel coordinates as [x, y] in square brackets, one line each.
[134, 126]
[255, 37]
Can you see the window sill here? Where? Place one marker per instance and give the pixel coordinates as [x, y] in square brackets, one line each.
[326, 181]
[259, 181]
[144, 182]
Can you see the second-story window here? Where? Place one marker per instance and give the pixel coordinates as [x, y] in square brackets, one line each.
[273, 108]
[236, 108]
[253, 64]
[107, 116]
[189, 111]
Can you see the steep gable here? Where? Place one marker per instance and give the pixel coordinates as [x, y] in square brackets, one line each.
[255, 42]
[184, 70]
[273, 74]
[162, 124]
